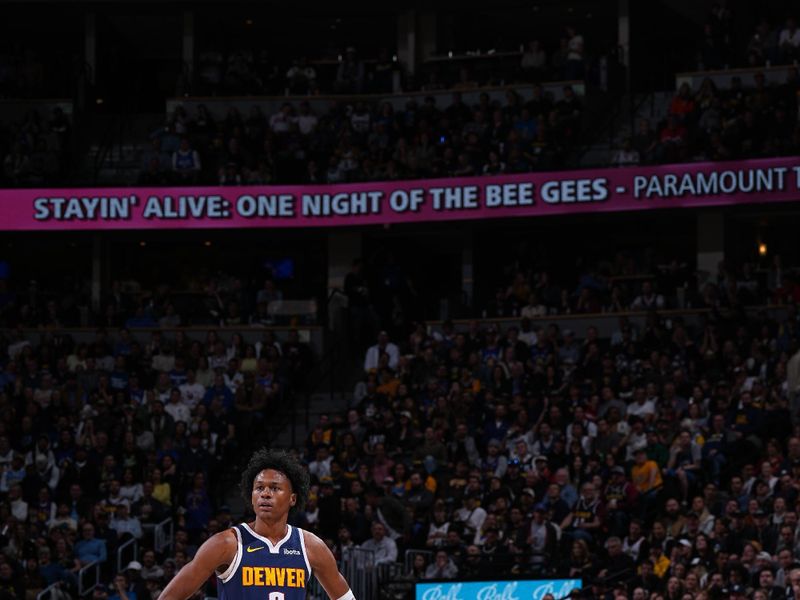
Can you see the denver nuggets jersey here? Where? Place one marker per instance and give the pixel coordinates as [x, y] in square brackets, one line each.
[263, 571]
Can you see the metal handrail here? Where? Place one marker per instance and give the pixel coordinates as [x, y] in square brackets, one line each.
[128, 544]
[82, 590]
[359, 569]
[162, 540]
[48, 591]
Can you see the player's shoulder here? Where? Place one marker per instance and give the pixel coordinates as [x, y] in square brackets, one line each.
[225, 540]
[311, 540]
[218, 550]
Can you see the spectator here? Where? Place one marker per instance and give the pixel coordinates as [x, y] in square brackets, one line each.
[442, 568]
[534, 61]
[186, 162]
[648, 299]
[350, 73]
[301, 77]
[89, 548]
[384, 547]
[384, 348]
[575, 57]
[789, 41]
[123, 523]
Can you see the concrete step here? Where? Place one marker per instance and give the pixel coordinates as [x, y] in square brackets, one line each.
[319, 404]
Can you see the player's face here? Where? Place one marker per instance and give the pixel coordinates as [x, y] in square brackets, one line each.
[272, 495]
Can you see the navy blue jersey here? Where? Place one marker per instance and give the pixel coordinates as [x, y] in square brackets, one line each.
[262, 570]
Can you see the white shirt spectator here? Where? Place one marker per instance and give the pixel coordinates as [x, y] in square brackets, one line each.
[320, 468]
[643, 410]
[132, 493]
[650, 301]
[575, 47]
[385, 550]
[532, 311]
[636, 441]
[307, 123]
[529, 337]
[127, 525]
[280, 122]
[19, 510]
[472, 518]
[374, 354]
[178, 411]
[192, 394]
[232, 383]
[648, 298]
[790, 37]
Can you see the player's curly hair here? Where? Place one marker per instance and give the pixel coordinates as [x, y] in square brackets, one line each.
[277, 460]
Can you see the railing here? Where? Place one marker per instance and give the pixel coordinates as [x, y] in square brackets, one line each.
[83, 587]
[163, 535]
[367, 578]
[359, 569]
[51, 592]
[131, 543]
[218, 105]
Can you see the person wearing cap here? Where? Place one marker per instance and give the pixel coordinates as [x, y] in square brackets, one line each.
[736, 591]
[136, 585]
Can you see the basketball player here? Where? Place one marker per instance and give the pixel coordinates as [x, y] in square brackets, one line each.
[266, 559]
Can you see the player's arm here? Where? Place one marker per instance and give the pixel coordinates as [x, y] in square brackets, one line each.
[217, 552]
[323, 565]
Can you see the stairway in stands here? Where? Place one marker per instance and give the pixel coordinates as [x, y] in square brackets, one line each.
[652, 107]
[115, 154]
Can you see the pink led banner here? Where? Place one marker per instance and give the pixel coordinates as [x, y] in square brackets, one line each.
[525, 195]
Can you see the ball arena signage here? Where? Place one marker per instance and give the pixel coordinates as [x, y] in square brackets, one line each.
[410, 201]
[497, 590]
